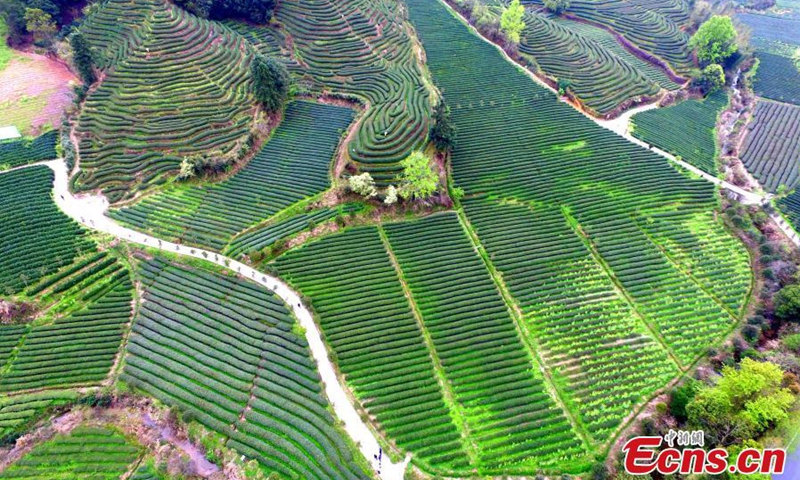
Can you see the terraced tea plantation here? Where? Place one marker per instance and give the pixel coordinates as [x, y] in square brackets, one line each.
[86, 452]
[362, 48]
[653, 27]
[601, 73]
[84, 296]
[618, 203]
[293, 165]
[777, 78]
[587, 331]
[514, 324]
[394, 380]
[260, 239]
[686, 130]
[511, 417]
[176, 85]
[771, 151]
[35, 237]
[14, 153]
[393, 358]
[225, 351]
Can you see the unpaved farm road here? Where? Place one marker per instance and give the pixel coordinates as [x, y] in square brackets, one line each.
[90, 211]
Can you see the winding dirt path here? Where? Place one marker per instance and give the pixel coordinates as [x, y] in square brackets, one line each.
[90, 211]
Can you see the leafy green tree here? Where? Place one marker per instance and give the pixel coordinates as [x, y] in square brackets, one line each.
[787, 303]
[271, 82]
[443, 132]
[715, 40]
[796, 59]
[419, 180]
[41, 25]
[681, 396]
[511, 21]
[713, 78]
[82, 58]
[743, 405]
[556, 6]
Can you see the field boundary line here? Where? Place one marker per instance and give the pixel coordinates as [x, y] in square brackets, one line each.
[690, 276]
[444, 383]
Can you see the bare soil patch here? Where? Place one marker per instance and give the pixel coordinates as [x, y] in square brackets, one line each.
[34, 92]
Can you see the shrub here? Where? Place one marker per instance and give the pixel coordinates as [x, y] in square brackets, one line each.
[792, 342]
[787, 303]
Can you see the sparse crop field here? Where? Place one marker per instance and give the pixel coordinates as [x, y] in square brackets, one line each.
[771, 150]
[591, 60]
[14, 153]
[225, 351]
[363, 48]
[777, 78]
[293, 165]
[588, 331]
[176, 85]
[685, 130]
[653, 26]
[86, 452]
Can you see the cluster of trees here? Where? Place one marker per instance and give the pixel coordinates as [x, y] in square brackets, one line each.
[40, 19]
[257, 11]
[443, 132]
[418, 181]
[83, 58]
[211, 163]
[271, 82]
[715, 43]
[740, 407]
[511, 22]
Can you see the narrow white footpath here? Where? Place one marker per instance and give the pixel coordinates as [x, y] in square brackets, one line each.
[90, 211]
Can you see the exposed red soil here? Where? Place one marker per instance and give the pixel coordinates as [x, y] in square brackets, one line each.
[32, 75]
